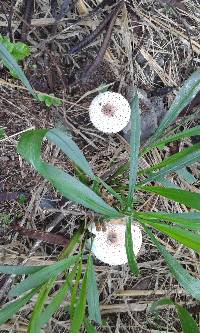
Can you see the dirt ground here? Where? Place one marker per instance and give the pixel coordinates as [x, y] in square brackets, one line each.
[154, 45]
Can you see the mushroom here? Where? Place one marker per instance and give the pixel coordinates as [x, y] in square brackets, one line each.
[109, 245]
[109, 112]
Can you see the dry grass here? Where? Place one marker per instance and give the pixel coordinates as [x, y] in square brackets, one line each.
[152, 45]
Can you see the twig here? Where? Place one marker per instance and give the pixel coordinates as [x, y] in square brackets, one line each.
[16, 134]
[89, 39]
[28, 13]
[103, 48]
[136, 293]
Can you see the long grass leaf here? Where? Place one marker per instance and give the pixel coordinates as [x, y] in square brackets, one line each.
[129, 249]
[188, 282]
[19, 270]
[189, 220]
[34, 323]
[187, 322]
[135, 147]
[57, 300]
[186, 175]
[11, 308]
[187, 198]
[185, 95]
[111, 191]
[73, 243]
[184, 237]
[70, 148]
[173, 163]
[92, 294]
[38, 278]
[79, 312]
[74, 190]
[30, 148]
[174, 137]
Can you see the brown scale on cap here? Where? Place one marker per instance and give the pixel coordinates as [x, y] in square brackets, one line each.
[108, 110]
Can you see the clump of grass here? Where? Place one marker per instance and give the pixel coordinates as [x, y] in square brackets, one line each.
[79, 282]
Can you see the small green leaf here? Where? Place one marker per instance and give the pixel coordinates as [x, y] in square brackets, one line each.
[38, 278]
[92, 294]
[186, 94]
[187, 198]
[188, 282]
[2, 133]
[20, 51]
[135, 147]
[49, 100]
[184, 237]
[129, 249]
[187, 322]
[11, 308]
[13, 66]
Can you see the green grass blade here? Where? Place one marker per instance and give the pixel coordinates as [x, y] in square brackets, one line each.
[188, 282]
[135, 147]
[186, 175]
[92, 294]
[173, 163]
[30, 148]
[89, 327]
[129, 249]
[11, 308]
[19, 270]
[34, 324]
[187, 322]
[111, 191]
[174, 137]
[38, 278]
[74, 296]
[167, 183]
[30, 144]
[52, 307]
[79, 312]
[186, 220]
[73, 243]
[187, 198]
[13, 66]
[74, 190]
[184, 237]
[185, 95]
[70, 148]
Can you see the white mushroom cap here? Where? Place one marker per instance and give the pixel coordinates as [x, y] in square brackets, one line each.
[109, 245]
[109, 112]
